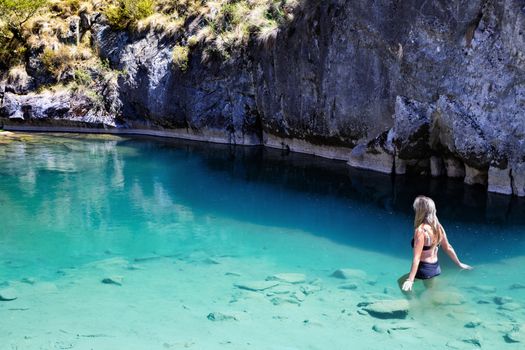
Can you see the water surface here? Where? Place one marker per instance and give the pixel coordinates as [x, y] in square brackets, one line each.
[181, 225]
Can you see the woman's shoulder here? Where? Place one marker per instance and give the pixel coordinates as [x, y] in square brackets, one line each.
[424, 227]
[419, 231]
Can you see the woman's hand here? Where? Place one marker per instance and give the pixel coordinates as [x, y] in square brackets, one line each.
[465, 266]
[407, 286]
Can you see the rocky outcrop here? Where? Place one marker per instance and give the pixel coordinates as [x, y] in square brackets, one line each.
[54, 108]
[397, 87]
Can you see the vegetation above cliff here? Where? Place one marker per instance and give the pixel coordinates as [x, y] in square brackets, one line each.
[48, 29]
[222, 26]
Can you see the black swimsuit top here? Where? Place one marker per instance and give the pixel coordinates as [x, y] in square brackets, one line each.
[427, 237]
[425, 247]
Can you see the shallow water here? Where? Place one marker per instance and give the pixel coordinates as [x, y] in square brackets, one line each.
[181, 225]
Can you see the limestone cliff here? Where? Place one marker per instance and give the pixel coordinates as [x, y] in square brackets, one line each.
[426, 87]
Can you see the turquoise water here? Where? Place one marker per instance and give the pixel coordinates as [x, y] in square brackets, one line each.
[180, 226]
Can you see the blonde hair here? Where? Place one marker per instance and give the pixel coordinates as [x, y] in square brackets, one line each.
[425, 209]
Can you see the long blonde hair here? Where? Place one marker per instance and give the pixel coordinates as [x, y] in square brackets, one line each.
[425, 209]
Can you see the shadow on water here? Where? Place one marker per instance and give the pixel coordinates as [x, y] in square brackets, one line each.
[329, 198]
[309, 174]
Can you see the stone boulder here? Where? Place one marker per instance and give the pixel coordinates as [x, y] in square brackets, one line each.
[412, 121]
[7, 294]
[256, 286]
[288, 278]
[388, 309]
[376, 155]
[349, 274]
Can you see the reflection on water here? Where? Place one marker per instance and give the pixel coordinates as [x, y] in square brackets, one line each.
[64, 179]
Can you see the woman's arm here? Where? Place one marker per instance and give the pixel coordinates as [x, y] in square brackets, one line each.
[447, 247]
[419, 242]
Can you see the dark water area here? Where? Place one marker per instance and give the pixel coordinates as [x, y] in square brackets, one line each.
[476, 220]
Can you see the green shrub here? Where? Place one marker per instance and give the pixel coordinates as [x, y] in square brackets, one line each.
[180, 57]
[56, 62]
[66, 7]
[126, 13]
[82, 77]
[13, 15]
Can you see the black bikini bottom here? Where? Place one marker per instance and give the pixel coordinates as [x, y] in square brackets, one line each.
[427, 270]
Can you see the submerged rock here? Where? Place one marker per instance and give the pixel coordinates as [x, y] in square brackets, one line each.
[474, 341]
[28, 280]
[515, 336]
[502, 300]
[134, 267]
[349, 274]
[116, 280]
[483, 289]
[388, 309]
[7, 294]
[280, 289]
[517, 286]
[211, 261]
[219, 316]
[378, 329]
[288, 278]
[310, 289]
[281, 300]
[510, 306]
[256, 286]
[472, 324]
[234, 274]
[312, 323]
[348, 286]
[148, 258]
[456, 344]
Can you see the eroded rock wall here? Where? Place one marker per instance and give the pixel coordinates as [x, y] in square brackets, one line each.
[427, 87]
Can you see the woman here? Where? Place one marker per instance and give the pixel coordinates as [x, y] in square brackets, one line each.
[428, 236]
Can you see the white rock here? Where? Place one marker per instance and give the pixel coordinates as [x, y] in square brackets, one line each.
[400, 166]
[7, 294]
[454, 167]
[375, 159]
[475, 176]
[256, 285]
[437, 166]
[499, 180]
[280, 289]
[518, 177]
[281, 300]
[288, 277]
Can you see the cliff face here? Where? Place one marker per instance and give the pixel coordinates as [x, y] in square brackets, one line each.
[393, 86]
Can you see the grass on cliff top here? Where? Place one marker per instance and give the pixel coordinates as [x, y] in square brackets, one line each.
[221, 28]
